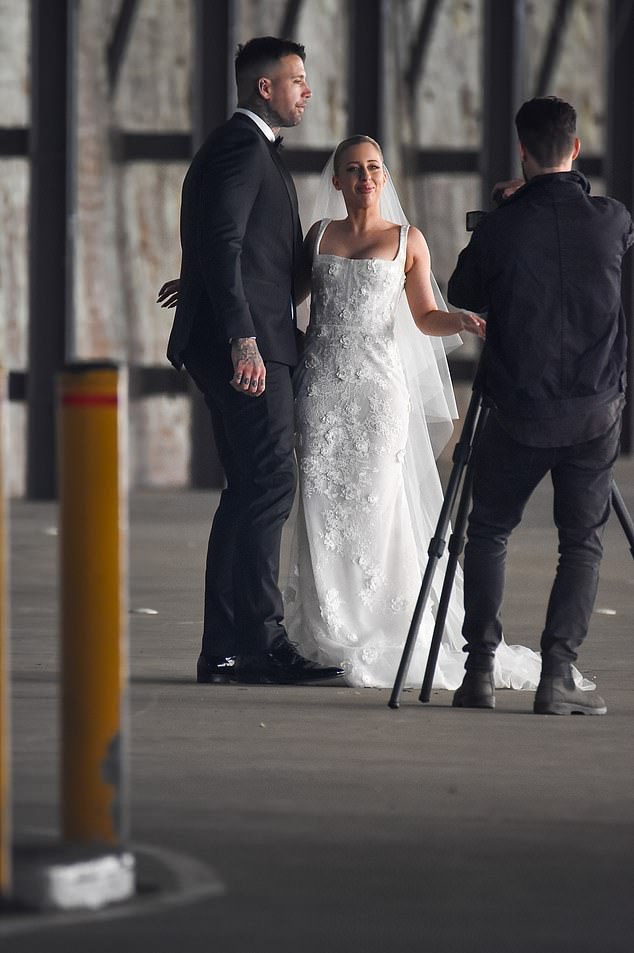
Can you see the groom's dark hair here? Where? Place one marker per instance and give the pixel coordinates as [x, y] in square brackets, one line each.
[254, 58]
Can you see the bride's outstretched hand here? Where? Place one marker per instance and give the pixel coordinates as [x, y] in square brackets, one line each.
[473, 324]
[168, 295]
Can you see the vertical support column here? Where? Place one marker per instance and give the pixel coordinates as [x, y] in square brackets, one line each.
[93, 597]
[47, 236]
[619, 152]
[213, 39]
[366, 31]
[503, 90]
[5, 683]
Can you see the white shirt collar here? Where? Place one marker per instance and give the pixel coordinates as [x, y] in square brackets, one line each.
[268, 132]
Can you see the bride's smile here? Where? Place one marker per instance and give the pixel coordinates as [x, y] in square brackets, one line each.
[360, 175]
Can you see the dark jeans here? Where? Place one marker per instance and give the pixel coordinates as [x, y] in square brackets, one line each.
[505, 475]
[255, 441]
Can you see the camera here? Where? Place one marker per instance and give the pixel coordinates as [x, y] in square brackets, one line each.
[473, 219]
[498, 196]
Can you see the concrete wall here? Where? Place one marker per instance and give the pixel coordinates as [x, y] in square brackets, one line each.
[126, 228]
[14, 196]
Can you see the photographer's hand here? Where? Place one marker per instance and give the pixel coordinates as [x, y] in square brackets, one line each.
[504, 190]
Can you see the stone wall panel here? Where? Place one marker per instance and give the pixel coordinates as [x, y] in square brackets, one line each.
[14, 197]
[125, 226]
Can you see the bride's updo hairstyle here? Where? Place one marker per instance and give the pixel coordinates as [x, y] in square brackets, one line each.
[348, 143]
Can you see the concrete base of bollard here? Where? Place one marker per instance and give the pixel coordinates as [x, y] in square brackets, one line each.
[72, 877]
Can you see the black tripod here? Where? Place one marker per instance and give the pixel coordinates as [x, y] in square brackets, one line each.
[461, 473]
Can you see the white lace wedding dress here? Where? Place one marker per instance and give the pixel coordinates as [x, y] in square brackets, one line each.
[356, 560]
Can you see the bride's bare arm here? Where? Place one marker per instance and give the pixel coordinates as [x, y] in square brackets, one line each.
[420, 295]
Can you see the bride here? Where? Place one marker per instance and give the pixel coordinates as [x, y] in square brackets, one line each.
[373, 408]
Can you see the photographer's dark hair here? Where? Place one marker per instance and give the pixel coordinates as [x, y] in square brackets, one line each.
[547, 127]
[254, 59]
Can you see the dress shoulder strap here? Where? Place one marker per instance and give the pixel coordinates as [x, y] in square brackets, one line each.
[323, 225]
[402, 243]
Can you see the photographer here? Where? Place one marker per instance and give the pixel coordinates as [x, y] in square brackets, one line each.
[546, 266]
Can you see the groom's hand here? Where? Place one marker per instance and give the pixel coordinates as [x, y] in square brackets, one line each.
[249, 372]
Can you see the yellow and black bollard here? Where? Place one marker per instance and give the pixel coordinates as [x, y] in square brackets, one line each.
[5, 730]
[93, 602]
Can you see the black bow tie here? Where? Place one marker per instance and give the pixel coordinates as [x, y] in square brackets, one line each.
[277, 142]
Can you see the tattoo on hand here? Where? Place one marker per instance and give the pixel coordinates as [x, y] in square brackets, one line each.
[246, 349]
[249, 369]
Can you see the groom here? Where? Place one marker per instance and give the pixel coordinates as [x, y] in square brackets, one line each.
[234, 331]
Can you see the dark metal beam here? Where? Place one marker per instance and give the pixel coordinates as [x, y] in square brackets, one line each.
[303, 161]
[150, 146]
[503, 90]
[290, 18]
[620, 160]
[48, 234]
[178, 146]
[16, 389]
[119, 40]
[553, 47]
[156, 381]
[418, 51]
[213, 92]
[468, 161]
[211, 97]
[449, 161]
[592, 166]
[146, 381]
[366, 33]
[14, 142]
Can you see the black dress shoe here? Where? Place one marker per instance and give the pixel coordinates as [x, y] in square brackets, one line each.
[216, 670]
[282, 666]
[558, 695]
[477, 691]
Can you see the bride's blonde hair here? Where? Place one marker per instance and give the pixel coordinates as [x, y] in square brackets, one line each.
[346, 144]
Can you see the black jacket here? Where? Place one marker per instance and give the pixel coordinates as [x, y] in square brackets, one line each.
[546, 266]
[240, 238]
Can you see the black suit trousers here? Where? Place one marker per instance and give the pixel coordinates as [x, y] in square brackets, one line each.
[255, 443]
[505, 474]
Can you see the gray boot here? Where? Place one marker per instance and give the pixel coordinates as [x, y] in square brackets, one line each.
[477, 691]
[558, 695]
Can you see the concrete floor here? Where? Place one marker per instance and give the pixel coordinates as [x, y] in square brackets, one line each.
[316, 819]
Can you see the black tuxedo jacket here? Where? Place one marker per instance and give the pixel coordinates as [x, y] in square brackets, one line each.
[240, 239]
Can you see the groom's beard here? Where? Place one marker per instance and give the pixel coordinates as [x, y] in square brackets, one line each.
[271, 117]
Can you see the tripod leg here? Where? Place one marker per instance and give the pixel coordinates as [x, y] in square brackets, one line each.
[623, 515]
[412, 635]
[456, 545]
[462, 452]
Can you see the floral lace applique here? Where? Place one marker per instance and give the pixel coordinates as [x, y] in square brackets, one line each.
[352, 416]
[331, 613]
